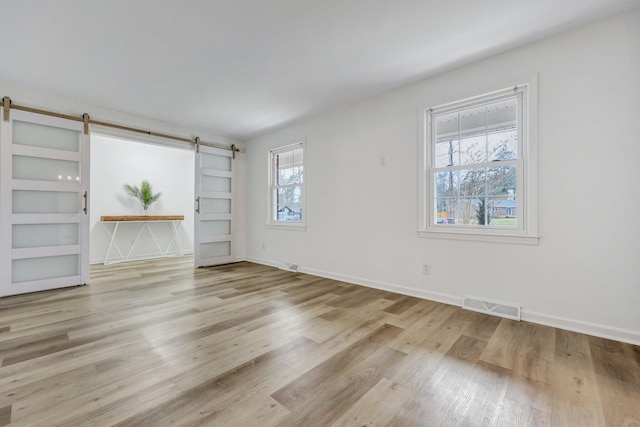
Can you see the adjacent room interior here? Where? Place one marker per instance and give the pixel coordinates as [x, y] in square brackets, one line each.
[371, 213]
[116, 162]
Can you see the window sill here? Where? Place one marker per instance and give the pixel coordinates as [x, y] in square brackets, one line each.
[464, 235]
[285, 226]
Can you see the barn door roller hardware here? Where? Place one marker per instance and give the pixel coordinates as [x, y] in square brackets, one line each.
[6, 104]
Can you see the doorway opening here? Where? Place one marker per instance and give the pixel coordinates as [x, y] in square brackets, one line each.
[116, 161]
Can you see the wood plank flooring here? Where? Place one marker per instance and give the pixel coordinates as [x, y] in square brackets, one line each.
[158, 343]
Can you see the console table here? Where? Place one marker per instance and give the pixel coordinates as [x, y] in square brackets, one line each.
[174, 222]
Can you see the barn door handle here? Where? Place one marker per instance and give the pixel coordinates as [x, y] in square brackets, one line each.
[198, 204]
[86, 200]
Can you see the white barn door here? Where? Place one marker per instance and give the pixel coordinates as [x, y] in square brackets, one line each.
[44, 221]
[214, 226]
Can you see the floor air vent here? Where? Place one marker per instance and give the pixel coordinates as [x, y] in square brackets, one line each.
[290, 267]
[510, 311]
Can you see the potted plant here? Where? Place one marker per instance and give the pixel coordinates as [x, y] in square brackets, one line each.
[144, 194]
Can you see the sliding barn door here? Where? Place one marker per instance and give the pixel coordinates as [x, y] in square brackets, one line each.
[214, 226]
[44, 221]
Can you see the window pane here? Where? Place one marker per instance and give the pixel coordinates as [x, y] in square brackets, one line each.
[289, 163]
[501, 181]
[503, 145]
[213, 161]
[457, 211]
[472, 182]
[35, 235]
[447, 147]
[447, 184]
[503, 212]
[289, 167]
[289, 195]
[447, 153]
[445, 211]
[289, 159]
[289, 212]
[473, 121]
[447, 126]
[28, 269]
[25, 201]
[215, 227]
[466, 210]
[215, 249]
[473, 150]
[502, 115]
[289, 176]
[215, 184]
[473, 130]
[482, 211]
[215, 206]
[42, 169]
[37, 135]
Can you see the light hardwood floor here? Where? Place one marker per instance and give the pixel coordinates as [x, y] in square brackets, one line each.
[158, 343]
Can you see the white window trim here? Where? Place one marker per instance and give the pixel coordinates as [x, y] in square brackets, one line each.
[286, 225]
[527, 233]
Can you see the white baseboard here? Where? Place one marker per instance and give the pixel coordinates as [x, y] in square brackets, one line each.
[140, 257]
[588, 328]
[384, 286]
[262, 261]
[603, 331]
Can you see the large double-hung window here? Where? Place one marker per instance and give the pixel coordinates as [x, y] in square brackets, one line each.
[286, 179]
[479, 169]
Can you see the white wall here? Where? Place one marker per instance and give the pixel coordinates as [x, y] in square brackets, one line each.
[115, 162]
[362, 217]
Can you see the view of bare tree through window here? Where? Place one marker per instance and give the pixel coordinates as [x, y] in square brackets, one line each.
[475, 165]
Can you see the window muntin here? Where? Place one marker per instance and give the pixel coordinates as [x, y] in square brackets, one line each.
[287, 185]
[475, 165]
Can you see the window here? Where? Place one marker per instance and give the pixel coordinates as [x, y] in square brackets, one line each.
[286, 185]
[479, 169]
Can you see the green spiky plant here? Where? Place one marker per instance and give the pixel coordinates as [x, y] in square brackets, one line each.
[144, 193]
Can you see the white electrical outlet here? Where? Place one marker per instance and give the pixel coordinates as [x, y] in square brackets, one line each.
[426, 268]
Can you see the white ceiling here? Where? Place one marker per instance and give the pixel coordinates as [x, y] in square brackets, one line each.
[241, 67]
